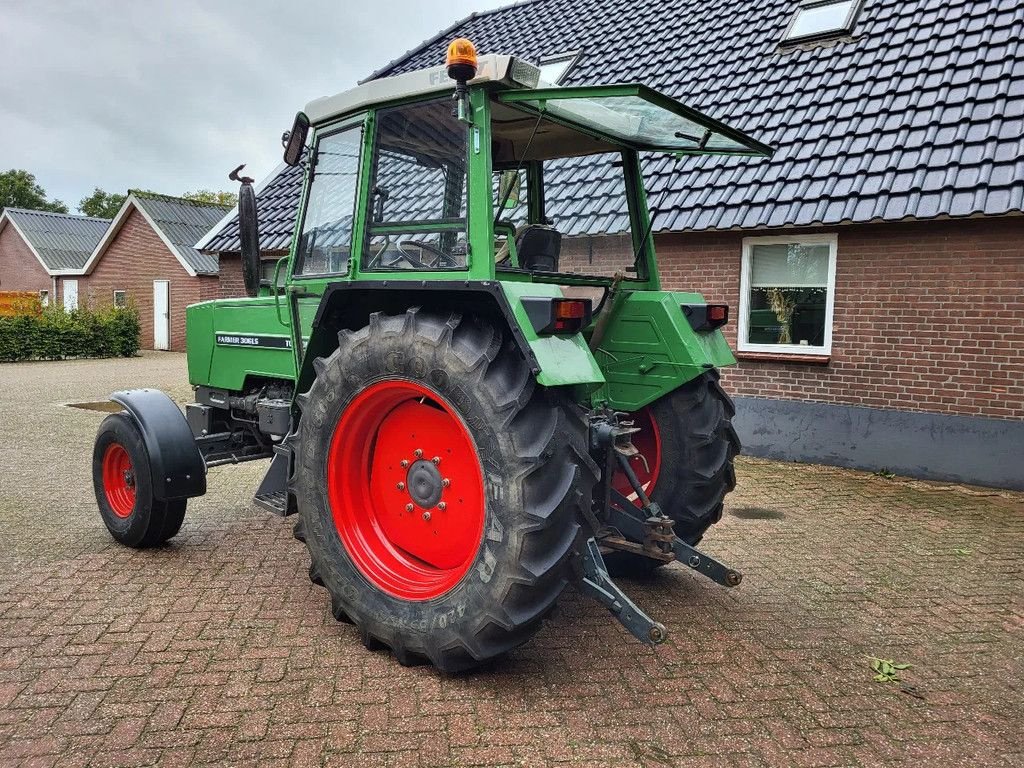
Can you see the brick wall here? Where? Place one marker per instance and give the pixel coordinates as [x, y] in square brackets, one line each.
[928, 316]
[230, 281]
[20, 270]
[133, 260]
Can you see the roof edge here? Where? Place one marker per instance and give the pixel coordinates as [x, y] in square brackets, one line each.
[25, 240]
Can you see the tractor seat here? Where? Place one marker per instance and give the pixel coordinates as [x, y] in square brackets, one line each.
[538, 247]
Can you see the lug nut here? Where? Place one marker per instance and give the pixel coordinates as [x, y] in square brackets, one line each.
[436, 459]
[418, 453]
[404, 463]
[401, 486]
[409, 507]
[445, 483]
[442, 506]
[426, 515]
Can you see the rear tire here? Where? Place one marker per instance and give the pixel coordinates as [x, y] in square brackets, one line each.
[697, 445]
[124, 487]
[452, 387]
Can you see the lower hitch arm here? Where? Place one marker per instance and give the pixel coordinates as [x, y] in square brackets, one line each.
[598, 584]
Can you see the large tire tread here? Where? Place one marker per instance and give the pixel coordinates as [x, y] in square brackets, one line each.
[541, 439]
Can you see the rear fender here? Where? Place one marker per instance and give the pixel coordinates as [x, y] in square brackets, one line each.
[177, 467]
[650, 349]
[555, 361]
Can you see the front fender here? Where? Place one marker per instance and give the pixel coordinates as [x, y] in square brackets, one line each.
[177, 467]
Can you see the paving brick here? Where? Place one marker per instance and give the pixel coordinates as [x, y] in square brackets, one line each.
[216, 650]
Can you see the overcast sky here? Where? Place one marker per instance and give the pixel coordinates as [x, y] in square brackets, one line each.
[170, 96]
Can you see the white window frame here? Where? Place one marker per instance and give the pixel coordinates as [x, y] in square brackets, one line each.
[44, 298]
[117, 291]
[832, 241]
[825, 34]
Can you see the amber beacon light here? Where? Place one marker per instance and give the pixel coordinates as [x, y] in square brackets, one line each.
[461, 60]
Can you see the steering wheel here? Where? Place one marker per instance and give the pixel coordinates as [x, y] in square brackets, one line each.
[440, 256]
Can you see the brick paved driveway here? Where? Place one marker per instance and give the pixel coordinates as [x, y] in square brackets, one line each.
[217, 650]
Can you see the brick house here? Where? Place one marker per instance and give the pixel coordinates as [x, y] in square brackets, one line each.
[38, 249]
[146, 257]
[875, 264]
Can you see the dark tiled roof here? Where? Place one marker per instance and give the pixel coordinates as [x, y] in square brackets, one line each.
[918, 114]
[62, 241]
[277, 206]
[183, 222]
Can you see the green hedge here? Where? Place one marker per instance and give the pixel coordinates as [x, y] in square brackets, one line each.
[55, 334]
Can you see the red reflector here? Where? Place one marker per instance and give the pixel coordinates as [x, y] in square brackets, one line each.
[570, 309]
[718, 313]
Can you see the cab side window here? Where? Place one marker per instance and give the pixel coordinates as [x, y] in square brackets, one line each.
[325, 245]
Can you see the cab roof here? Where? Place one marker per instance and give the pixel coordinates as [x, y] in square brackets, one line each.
[591, 117]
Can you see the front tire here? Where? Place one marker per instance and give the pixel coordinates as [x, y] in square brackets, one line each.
[124, 487]
[455, 560]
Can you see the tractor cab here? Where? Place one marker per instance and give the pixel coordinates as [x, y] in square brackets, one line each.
[469, 381]
[495, 180]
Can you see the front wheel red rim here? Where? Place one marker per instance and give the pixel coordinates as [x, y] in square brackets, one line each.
[119, 480]
[647, 465]
[405, 486]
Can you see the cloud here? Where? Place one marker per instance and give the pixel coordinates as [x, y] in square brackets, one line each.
[170, 96]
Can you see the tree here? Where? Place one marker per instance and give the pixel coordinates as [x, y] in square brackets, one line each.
[18, 189]
[103, 205]
[210, 197]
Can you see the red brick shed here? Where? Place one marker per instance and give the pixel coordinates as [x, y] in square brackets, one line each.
[147, 258]
[37, 248]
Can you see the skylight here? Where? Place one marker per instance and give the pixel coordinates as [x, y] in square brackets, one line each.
[818, 19]
[554, 68]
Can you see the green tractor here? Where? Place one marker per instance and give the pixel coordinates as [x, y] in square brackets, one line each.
[471, 387]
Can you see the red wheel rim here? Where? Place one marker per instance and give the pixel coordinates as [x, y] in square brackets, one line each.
[119, 480]
[406, 489]
[648, 442]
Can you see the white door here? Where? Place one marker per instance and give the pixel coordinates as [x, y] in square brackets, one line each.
[161, 314]
[70, 295]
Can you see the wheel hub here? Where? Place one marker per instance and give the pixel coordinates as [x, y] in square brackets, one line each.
[405, 485]
[424, 483]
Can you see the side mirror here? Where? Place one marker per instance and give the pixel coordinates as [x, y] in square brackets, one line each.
[248, 233]
[295, 140]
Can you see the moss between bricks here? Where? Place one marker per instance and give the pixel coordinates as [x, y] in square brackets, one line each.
[55, 334]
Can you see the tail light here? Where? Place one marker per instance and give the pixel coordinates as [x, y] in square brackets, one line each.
[706, 317]
[557, 316]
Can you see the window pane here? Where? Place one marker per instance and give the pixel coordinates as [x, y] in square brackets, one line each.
[553, 71]
[788, 294]
[417, 251]
[820, 19]
[419, 179]
[587, 205]
[326, 240]
[789, 265]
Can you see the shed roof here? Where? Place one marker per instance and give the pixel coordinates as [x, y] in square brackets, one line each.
[178, 222]
[61, 241]
[917, 114]
[182, 223]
